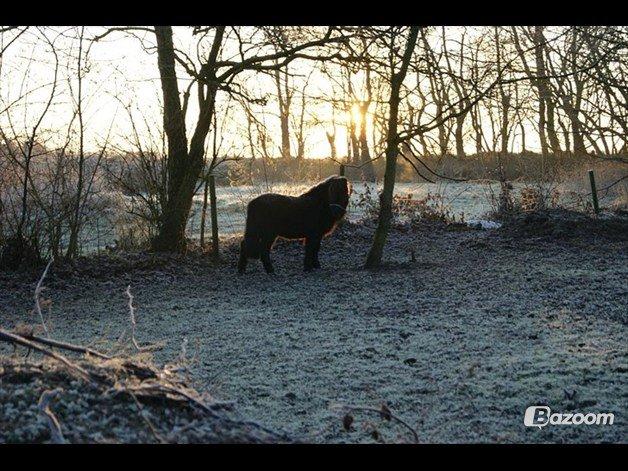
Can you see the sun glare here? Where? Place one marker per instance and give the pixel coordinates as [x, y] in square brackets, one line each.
[354, 115]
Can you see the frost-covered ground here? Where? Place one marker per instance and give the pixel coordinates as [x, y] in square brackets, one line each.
[458, 344]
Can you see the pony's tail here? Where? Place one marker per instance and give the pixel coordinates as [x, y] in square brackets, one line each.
[251, 243]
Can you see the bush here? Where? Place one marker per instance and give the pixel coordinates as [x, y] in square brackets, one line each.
[406, 209]
[19, 252]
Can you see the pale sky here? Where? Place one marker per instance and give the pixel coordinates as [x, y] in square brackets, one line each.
[122, 74]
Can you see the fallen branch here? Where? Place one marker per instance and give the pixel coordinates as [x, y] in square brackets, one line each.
[38, 289]
[132, 317]
[144, 384]
[146, 348]
[19, 340]
[67, 346]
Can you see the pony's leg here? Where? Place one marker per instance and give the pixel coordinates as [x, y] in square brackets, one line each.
[243, 258]
[312, 245]
[266, 245]
[317, 246]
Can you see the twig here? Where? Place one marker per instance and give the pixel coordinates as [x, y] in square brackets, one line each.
[408, 147]
[147, 348]
[132, 316]
[38, 289]
[53, 423]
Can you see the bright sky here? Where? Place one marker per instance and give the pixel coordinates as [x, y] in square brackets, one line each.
[123, 74]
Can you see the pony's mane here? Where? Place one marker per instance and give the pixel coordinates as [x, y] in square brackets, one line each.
[319, 187]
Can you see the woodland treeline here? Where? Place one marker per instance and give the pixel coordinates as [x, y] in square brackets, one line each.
[228, 93]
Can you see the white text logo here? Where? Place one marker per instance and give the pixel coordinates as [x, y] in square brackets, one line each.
[540, 416]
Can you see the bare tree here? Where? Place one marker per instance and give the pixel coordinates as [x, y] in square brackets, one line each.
[22, 148]
[284, 99]
[185, 161]
[397, 77]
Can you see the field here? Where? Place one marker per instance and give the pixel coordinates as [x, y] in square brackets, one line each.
[469, 201]
[457, 343]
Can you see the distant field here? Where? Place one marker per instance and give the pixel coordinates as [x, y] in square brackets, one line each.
[470, 199]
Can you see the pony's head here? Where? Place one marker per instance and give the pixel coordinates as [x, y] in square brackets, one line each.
[338, 193]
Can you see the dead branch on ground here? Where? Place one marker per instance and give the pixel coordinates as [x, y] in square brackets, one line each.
[38, 289]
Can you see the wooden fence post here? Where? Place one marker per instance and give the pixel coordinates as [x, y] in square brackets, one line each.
[596, 205]
[204, 211]
[214, 214]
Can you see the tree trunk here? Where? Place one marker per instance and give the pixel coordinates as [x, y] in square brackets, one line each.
[171, 236]
[542, 130]
[374, 257]
[284, 97]
[368, 170]
[546, 117]
[477, 131]
[354, 151]
[331, 138]
[460, 136]
[72, 251]
[504, 99]
[301, 134]
[443, 138]
[504, 123]
[573, 113]
[285, 137]
[183, 166]
[529, 72]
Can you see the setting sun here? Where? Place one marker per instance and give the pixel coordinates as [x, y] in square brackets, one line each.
[355, 116]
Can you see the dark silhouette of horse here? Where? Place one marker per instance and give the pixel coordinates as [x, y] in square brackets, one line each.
[310, 217]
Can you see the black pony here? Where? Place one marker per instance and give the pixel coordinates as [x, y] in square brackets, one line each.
[310, 216]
